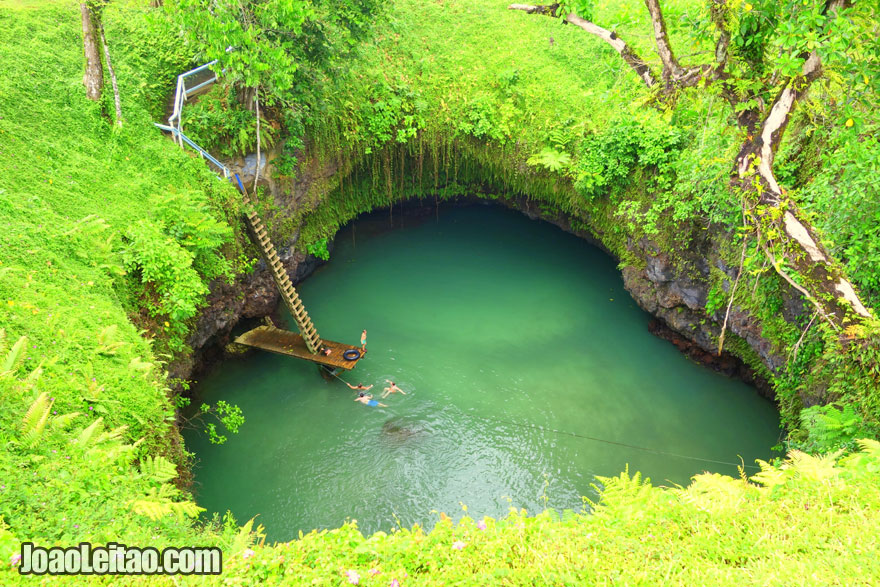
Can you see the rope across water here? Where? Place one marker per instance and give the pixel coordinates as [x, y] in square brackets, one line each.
[490, 420]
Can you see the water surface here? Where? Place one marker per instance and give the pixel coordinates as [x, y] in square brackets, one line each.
[520, 352]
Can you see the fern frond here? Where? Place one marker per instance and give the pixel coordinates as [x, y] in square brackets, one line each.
[769, 476]
[63, 421]
[158, 469]
[86, 435]
[13, 357]
[111, 435]
[815, 467]
[107, 343]
[34, 421]
[870, 447]
[186, 509]
[244, 538]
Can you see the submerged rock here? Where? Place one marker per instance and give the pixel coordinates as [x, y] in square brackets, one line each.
[398, 429]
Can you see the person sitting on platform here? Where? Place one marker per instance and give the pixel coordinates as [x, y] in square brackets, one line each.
[326, 351]
[368, 400]
[392, 389]
[358, 387]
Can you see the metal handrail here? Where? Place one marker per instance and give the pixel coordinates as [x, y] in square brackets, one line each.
[180, 96]
[205, 155]
[182, 93]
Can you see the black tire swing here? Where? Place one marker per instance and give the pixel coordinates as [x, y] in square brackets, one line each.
[351, 355]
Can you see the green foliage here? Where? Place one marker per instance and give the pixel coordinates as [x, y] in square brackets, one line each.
[391, 113]
[845, 185]
[830, 428]
[176, 253]
[488, 119]
[583, 8]
[754, 32]
[220, 124]
[712, 532]
[277, 45]
[551, 159]
[229, 415]
[607, 159]
[319, 249]
[453, 96]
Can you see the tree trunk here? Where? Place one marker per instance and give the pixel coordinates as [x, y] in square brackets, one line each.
[116, 100]
[93, 79]
[671, 68]
[257, 108]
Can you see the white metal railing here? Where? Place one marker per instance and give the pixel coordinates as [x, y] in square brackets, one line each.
[175, 122]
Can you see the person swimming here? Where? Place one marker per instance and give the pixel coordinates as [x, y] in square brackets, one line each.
[368, 400]
[392, 389]
[358, 387]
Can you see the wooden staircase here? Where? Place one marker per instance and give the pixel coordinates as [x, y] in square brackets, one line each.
[282, 280]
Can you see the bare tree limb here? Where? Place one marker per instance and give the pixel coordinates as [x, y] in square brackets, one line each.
[642, 69]
[833, 295]
[257, 167]
[742, 260]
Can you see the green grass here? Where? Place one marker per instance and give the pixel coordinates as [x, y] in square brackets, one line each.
[71, 187]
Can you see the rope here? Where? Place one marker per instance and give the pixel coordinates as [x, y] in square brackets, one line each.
[615, 443]
[601, 440]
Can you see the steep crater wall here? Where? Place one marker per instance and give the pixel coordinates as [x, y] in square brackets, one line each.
[672, 285]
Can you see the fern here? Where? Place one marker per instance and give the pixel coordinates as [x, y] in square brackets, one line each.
[86, 435]
[35, 419]
[158, 469]
[247, 536]
[714, 492]
[107, 343]
[110, 435]
[13, 357]
[551, 159]
[63, 421]
[157, 503]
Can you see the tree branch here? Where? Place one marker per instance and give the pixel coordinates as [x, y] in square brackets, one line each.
[719, 13]
[754, 175]
[671, 69]
[642, 69]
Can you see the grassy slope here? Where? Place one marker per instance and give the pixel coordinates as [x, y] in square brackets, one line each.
[60, 288]
[70, 186]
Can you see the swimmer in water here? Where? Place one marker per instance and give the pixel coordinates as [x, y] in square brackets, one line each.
[391, 389]
[368, 400]
[358, 387]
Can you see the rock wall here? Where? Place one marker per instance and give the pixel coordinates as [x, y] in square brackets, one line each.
[673, 286]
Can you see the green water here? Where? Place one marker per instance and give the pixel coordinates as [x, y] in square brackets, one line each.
[493, 324]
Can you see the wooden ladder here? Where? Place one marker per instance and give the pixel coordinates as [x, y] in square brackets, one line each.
[282, 280]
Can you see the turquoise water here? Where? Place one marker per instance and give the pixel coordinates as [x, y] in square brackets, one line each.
[494, 325]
